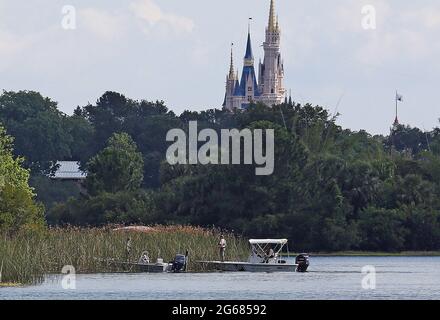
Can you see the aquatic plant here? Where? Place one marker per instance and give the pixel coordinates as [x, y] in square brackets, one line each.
[27, 257]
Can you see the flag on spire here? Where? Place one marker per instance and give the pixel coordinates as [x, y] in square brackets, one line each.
[399, 98]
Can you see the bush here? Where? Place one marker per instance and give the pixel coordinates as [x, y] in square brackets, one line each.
[119, 167]
[122, 208]
[382, 230]
[18, 208]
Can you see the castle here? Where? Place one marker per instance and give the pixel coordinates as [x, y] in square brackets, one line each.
[268, 88]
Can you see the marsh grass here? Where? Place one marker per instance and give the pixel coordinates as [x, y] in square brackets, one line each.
[26, 258]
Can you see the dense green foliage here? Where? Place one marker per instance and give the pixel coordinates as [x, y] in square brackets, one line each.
[118, 167]
[332, 189]
[18, 209]
[38, 127]
[123, 207]
[113, 185]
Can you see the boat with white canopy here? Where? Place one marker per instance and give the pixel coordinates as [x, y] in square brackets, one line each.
[265, 257]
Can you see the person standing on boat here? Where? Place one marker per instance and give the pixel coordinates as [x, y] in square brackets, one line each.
[222, 248]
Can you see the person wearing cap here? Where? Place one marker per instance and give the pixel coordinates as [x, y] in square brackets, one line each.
[222, 248]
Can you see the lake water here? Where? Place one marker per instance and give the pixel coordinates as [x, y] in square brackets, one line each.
[415, 278]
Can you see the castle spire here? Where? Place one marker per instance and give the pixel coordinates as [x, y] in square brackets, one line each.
[249, 56]
[272, 19]
[231, 68]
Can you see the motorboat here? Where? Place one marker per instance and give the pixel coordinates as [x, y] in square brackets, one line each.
[144, 265]
[265, 256]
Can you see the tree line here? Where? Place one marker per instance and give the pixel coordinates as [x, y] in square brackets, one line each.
[332, 188]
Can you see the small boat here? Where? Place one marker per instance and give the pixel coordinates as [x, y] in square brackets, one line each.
[178, 265]
[265, 257]
[144, 265]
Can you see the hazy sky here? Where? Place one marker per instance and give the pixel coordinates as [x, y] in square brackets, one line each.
[178, 51]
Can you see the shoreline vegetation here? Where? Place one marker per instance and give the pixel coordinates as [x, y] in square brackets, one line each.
[10, 285]
[28, 257]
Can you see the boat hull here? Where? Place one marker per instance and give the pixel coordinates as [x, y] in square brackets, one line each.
[248, 267]
[141, 267]
[150, 268]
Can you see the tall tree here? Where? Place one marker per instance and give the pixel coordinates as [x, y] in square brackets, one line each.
[38, 127]
[118, 167]
[18, 209]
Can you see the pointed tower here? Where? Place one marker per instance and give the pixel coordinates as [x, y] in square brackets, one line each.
[272, 70]
[231, 82]
[249, 55]
[231, 66]
[271, 26]
[248, 89]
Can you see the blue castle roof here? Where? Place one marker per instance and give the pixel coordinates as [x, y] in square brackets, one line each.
[240, 88]
[249, 54]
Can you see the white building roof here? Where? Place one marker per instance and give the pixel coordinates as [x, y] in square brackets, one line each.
[69, 170]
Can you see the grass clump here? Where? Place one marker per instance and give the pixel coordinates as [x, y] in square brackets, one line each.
[25, 258]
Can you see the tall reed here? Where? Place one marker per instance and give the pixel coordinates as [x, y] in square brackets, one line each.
[26, 258]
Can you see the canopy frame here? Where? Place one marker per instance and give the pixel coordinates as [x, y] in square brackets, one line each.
[261, 247]
[268, 241]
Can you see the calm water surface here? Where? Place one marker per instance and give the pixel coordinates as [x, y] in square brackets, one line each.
[329, 278]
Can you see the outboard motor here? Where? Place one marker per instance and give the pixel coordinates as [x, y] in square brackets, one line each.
[179, 263]
[302, 261]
